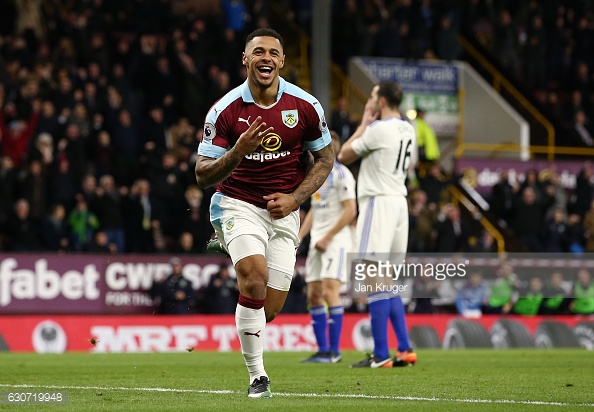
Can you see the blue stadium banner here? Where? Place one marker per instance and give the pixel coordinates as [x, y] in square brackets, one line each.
[432, 86]
[418, 77]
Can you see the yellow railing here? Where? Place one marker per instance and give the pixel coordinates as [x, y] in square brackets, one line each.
[500, 81]
[458, 197]
[347, 87]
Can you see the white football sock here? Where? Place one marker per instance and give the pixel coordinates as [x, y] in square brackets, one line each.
[250, 329]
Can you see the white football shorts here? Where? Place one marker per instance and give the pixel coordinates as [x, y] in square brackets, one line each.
[382, 227]
[247, 230]
[331, 264]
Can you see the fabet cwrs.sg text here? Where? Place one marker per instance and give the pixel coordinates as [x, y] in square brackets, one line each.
[42, 283]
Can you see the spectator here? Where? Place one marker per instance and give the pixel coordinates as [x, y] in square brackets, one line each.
[230, 49]
[527, 216]
[222, 292]
[342, 120]
[527, 300]
[17, 134]
[583, 294]
[581, 80]
[43, 150]
[424, 289]
[581, 133]
[584, 190]
[174, 292]
[54, 230]
[501, 291]
[94, 102]
[452, 235]
[193, 101]
[108, 208]
[573, 107]
[63, 185]
[64, 95]
[555, 234]
[48, 119]
[472, 296]
[105, 159]
[502, 196]
[144, 210]
[448, 47]
[559, 194]
[89, 188]
[80, 118]
[156, 131]
[21, 230]
[186, 245]
[531, 181]
[168, 182]
[183, 139]
[236, 14]
[555, 302]
[73, 147]
[422, 220]
[100, 244]
[485, 244]
[83, 224]
[30, 20]
[433, 184]
[125, 134]
[506, 44]
[426, 139]
[195, 217]
[34, 188]
[554, 108]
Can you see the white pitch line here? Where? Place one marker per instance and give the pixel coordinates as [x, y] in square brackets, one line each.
[305, 395]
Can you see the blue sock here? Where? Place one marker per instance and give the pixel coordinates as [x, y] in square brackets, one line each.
[319, 322]
[335, 327]
[398, 319]
[379, 310]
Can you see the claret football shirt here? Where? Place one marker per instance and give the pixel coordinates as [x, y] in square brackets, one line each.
[279, 164]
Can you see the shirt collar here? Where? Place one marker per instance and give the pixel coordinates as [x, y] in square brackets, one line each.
[246, 93]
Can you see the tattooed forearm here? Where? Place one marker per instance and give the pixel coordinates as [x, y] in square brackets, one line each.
[211, 171]
[317, 174]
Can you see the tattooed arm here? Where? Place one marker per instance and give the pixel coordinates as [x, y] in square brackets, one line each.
[210, 171]
[280, 204]
[317, 174]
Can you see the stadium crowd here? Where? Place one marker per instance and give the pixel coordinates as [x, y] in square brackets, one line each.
[102, 104]
[546, 50]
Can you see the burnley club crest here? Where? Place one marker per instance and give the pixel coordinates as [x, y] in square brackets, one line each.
[290, 118]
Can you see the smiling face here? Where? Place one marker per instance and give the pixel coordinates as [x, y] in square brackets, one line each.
[263, 57]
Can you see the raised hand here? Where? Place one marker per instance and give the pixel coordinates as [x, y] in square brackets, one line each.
[250, 139]
[369, 115]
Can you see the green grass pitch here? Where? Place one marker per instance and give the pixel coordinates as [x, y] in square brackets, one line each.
[465, 380]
